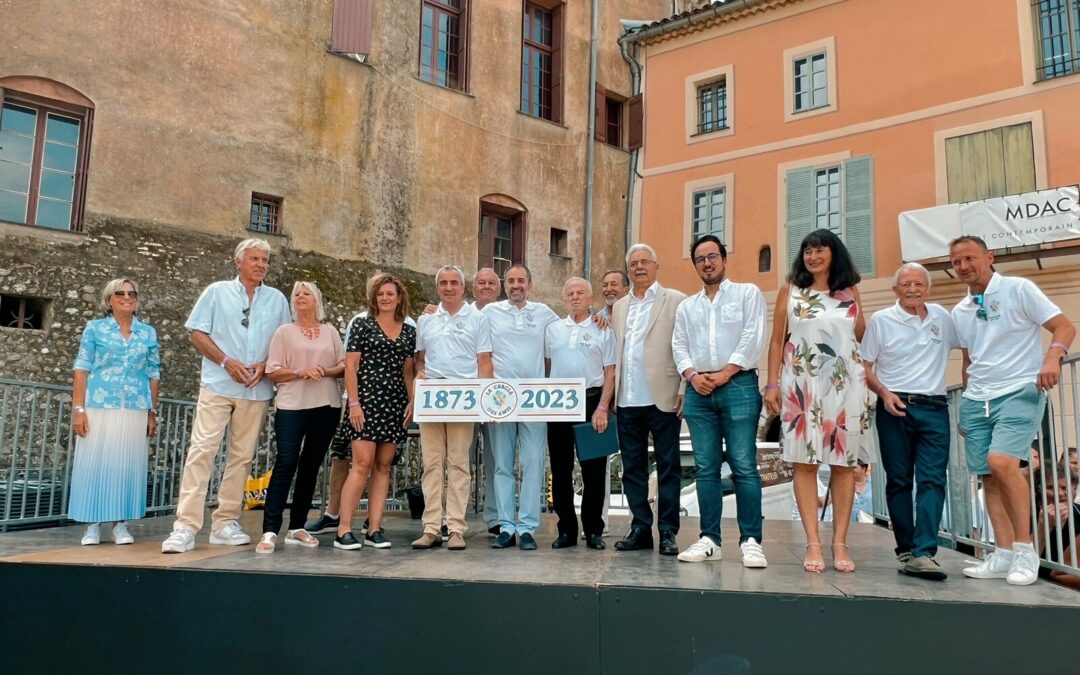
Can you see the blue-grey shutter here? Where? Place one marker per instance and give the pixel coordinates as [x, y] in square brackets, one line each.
[858, 177]
[800, 210]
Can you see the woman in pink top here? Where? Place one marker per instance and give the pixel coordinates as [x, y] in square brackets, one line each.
[306, 358]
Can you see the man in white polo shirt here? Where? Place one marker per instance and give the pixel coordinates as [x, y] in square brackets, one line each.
[517, 351]
[905, 354]
[1006, 377]
[452, 343]
[717, 342]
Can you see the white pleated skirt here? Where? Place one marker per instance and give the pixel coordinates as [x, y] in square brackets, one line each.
[108, 477]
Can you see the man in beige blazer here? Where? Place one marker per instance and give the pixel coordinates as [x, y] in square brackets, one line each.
[648, 396]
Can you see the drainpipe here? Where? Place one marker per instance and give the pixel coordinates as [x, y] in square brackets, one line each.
[590, 162]
[635, 89]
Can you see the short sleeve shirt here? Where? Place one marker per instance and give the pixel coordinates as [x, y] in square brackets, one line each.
[580, 350]
[451, 342]
[517, 338]
[910, 354]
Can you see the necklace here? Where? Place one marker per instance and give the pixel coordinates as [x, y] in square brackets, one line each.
[310, 332]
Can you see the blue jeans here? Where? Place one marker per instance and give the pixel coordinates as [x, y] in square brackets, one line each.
[528, 441]
[729, 414]
[915, 446]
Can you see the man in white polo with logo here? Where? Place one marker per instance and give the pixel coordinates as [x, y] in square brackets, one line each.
[1006, 376]
[517, 351]
[452, 343]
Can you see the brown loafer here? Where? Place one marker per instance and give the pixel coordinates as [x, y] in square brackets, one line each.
[457, 542]
[428, 540]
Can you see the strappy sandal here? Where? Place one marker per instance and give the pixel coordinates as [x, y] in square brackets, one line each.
[301, 538]
[842, 565]
[267, 544]
[817, 566]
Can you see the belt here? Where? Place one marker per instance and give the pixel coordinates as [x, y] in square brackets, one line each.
[923, 399]
[752, 371]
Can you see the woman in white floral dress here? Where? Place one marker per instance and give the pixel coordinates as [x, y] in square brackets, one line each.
[817, 386]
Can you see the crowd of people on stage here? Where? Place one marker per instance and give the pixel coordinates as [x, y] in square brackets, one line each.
[651, 359]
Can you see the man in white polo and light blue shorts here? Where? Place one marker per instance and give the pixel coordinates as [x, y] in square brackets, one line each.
[1006, 377]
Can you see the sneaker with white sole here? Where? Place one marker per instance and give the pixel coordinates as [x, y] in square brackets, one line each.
[93, 535]
[181, 540]
[1024, 569]
[701, 550]
[752, 554]
[230, 535]
[994, 566]
[120, 534]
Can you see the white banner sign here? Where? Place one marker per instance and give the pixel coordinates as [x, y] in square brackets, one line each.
[1028, 219]
[534, 400]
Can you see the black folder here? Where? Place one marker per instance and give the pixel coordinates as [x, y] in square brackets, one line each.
[591, 445]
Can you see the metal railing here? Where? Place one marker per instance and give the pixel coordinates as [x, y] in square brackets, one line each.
[37, 446]
[1052, 480]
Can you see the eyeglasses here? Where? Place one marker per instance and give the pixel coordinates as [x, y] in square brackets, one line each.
[641, 263]
[980, 313]
[246, 312]
[711, 258]
[126, 294]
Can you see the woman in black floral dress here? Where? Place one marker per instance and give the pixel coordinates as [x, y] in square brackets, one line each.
[379, 382]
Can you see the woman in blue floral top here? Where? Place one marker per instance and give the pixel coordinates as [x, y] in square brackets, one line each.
[115, 396]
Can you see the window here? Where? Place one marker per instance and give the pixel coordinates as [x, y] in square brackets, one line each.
[558, 242]
[990, 163]
[610, 117]
[350, 30]
[839, 198]
[501, 238]
[265, 214]
[709, 213]
[764, 259]
[614, 122]
[811, 83]
[712, 106]
[43, 155]
[1057, 29]
[444, 42]
[541, 61]
[20, 312]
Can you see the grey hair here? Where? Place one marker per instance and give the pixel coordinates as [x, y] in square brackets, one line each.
[320, 315]
[451, 268]
[640, 247]
[112, 287]
[909, 267]
[259, 244]
[577, 280]
[481, 271]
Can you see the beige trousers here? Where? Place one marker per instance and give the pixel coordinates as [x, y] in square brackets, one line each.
[213, 414]
[445, 450]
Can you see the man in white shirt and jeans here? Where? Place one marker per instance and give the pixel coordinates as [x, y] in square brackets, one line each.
[717, 342]
[1006, 377]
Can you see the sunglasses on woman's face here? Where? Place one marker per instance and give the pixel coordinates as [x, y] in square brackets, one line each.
[980, 313]
[126, 294]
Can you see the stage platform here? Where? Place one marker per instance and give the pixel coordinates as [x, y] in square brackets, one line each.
[219, 609]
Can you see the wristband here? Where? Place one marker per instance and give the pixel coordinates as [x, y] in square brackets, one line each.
[690, 377]
[354, 404]
[602, 408]
[771, 386]
[1063, 347]
[224, 361]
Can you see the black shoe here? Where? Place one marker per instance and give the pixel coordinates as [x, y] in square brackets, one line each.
[504, 540]
[527, 542]
[348, 542]
[322, 524]
[564, 541]
[495, 530]
[636, 539]
[667, 544]
[444, 533]
[595, 542]
[377, 539]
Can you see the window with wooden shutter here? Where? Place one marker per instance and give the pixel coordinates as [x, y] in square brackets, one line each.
[542, 61]
[501, 241]
[350, 32]
[635, 122]
[800, 202]
[991, 163]
[858, 208]
[444, 42]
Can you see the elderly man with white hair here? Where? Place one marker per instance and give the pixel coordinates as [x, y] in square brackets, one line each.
[231, 325]
[905, 353]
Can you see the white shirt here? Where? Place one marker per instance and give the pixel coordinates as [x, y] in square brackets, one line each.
[730, 328]
[910, 354]
[580, 350]
[1005, 349]
[517, 338]
[451, 342]
[633, 383]
[220, 313]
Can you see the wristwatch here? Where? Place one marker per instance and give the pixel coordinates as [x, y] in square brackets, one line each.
[79, 409]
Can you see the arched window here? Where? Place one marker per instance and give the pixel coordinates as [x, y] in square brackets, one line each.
[45, 130]
[502, 233]
[764, 259]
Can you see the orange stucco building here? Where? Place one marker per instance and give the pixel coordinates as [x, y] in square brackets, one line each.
[765, 119]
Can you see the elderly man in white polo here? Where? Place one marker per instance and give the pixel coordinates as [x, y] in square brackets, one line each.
[231, 326]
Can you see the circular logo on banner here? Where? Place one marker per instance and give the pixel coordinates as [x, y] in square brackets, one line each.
[498, 400]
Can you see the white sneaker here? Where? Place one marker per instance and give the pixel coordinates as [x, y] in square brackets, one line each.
[1024, 570]
[121, 535]
[752, 555]
[701, 550]
[181, 540]
[230, 535]
[93, 535]
[994, 566]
